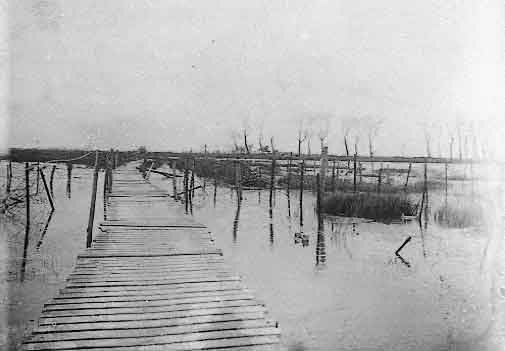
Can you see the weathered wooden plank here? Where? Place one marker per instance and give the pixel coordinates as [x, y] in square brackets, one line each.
[238, 315]
[99, 301]
[155, 307]
[154, 340]
[151, 315]
[156, 331]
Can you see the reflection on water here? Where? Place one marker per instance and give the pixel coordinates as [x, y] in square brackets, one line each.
[337, 283]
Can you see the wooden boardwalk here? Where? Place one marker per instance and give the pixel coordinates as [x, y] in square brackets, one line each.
[152, 280]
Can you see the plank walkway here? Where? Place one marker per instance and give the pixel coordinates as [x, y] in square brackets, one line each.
[152, 280]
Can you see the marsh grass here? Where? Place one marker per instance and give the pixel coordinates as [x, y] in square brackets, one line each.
[379, 207]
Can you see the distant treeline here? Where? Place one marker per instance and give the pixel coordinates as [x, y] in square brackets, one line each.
[63, 155]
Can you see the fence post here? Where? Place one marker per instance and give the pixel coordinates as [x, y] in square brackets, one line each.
[48, 193]
[408, 175]
[272, 181]
[333, 177]
[9, 177]
[354, 179]
[379, 181]
[89, 236]
[186, 185]
[51, 179]
[27, 223]
[38, 179]
[174, 179]
[289, 185]
[105, 181]
[301, 191]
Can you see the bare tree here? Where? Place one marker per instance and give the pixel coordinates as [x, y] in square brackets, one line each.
[301, 137]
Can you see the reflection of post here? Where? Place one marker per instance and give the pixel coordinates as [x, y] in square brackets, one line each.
[320, 244]
[301, 192]
[271, 215]
[238, 179]
[44, 231]
[236, 220]
[27, 223]
[69, 179]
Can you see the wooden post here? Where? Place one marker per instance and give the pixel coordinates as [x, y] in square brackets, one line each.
[9, 177]
[446, 186]
[174, 179]
[109, 166]
[89, 236]
[38, 179]
[407, 180]
[105, 182]
[301, 191]
[51, 179]
[323, 166]
[27, 223]
[333, 177]
[238, 179]
[186, 197]
[272, 181]
[192, 185]
[355, 170]
[379, 181]
[426, 192]
[319, 195]
[69, 179]
[289, 186]
[215, 181]
[48, 193]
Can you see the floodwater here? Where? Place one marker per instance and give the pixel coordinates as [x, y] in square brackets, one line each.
[52, 247]
[339, 288]
[343, 287]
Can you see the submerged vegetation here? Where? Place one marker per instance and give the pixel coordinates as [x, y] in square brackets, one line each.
[380, 207]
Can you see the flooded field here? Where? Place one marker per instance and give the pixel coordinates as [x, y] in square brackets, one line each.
[336, 286]
[343, 287]
[53, 243]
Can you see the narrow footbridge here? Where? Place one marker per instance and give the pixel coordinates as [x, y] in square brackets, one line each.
[152, 280]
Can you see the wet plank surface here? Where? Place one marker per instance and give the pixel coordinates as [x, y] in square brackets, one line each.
[152, 280]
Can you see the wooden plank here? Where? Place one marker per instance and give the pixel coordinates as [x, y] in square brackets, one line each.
[239, 315]
[154, 307]
[113, 318]
[154, 340]
[97, 301]
[156, 331]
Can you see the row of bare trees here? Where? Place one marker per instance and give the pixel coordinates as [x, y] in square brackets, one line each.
[462, 140]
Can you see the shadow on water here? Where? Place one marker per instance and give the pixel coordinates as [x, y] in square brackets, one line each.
[237, 217]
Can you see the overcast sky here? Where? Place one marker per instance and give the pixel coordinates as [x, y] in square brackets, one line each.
[179, 74]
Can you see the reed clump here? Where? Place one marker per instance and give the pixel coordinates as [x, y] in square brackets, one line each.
[459, 214]
[379, 207]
